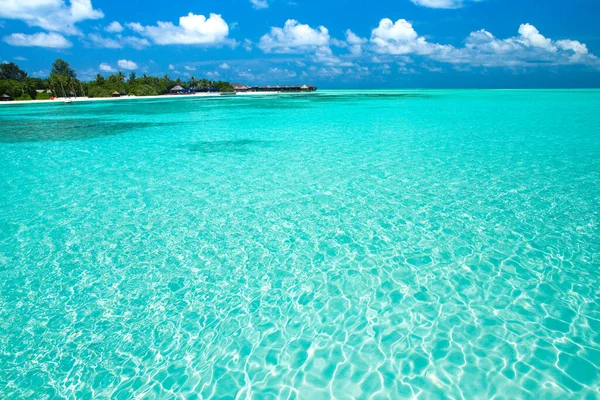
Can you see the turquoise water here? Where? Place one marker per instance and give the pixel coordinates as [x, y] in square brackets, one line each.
[427, 244]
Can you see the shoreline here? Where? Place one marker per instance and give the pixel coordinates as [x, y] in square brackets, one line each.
[61, 100]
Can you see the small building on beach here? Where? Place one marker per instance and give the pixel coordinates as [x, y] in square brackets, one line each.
[5, 97]
[177, 90]
[116, 94]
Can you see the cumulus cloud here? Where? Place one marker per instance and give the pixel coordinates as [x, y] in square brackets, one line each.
[224, 66]
[530, 47]
[481, 48]
[135, 26]
[52, 15]
[127, 64]
[192, 29]
[171, 67]
[531, 37]
[51, 40]
[294, 38]
[259, 4]
[114, 27]
[106, 68]
[398, 38]
[355, 43]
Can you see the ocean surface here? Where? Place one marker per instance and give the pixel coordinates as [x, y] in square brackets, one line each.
[347, 244]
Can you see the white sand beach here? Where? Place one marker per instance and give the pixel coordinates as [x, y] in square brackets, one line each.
[61, 100]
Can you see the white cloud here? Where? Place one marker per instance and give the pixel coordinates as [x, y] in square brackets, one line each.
[171, 67]
[355, 42]
[135, 26]
[579, 50]
[259, 4]
[135, 42]
[106, 68]
[52, 15]
[20, 58]
[192, 29]
[481, 48]
[531, 37]
[529, 48]
[294, 38]
[224, 66]
[189, 68]
[398, 38]
[247, 45]
[282, 73]
[441, 3]
[117, 43]
[114, 27]
[127, 64]
[324, 54]
[211, 74]
[49, 40]
[100, 41]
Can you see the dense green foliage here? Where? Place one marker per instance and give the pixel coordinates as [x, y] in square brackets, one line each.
[25, 96]
[63, 82]
[43, 96]
[61, 67]
[11, 71]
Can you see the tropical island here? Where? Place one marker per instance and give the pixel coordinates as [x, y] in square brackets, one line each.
[16, 84]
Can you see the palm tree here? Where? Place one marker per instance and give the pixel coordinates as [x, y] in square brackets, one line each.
[121, 77]
[28, 86]
[192, 82]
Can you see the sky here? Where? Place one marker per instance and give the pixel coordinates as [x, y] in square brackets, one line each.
[328, 43]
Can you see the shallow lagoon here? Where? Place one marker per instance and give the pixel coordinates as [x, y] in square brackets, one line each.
[439, 244]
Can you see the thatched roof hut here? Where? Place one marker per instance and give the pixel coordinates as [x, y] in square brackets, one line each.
[177, 89]
[4, 97]
[240, 87]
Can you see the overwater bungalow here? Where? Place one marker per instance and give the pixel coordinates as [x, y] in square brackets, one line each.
[240, 87]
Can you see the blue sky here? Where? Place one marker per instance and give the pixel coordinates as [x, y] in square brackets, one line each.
[330, 43]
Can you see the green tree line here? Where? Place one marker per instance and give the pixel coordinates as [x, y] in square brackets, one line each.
[63, 81]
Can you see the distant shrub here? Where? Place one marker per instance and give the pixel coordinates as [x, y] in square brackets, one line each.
[98, 91]
[25, 96]
[143, 90]
[43, 96]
